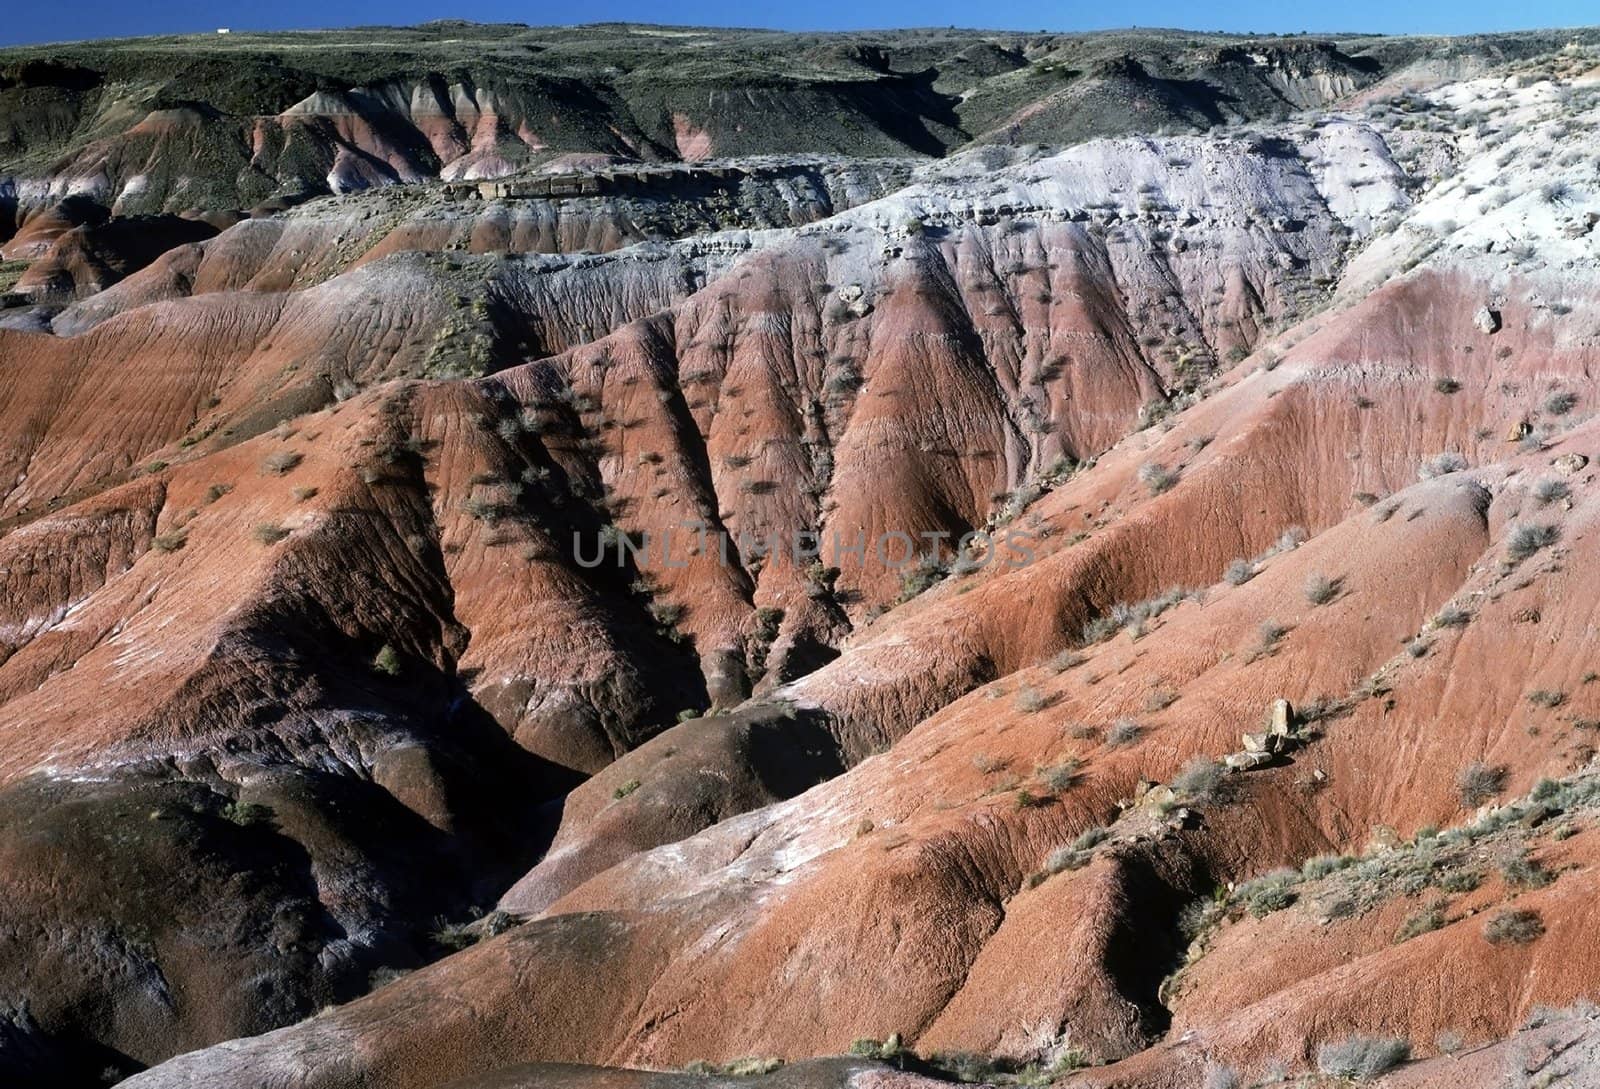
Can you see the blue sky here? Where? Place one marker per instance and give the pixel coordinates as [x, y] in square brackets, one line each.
[36, 21]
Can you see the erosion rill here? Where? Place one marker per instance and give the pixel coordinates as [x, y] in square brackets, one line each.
[615, 556]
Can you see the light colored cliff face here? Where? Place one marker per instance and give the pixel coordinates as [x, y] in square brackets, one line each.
[293, 592]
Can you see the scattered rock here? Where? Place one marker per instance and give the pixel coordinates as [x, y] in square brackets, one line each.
[1569, 463]
[1487, 320]
[1282, 717]
[1159, 797]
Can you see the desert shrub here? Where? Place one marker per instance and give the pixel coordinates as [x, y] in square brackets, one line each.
[387, 661]
[1271, 633]
[1449, 1042]
[1320, 589]
[1157, 477]
[1322, 865]
[1446, 385]
[1060, 776]
[1219, 1076]
[1090, 838]
[1543, 789]
[1099, 630]
[871, 1048]
[1200, 779]
[1239, 572]
[666, 613]
[1515, 926]
[1441, 465]
[169, 542]
[1428, 919]
[1560, 403]
[246, 814]
[1030, 700]
[1124, 731]
[281, 462]
[1460, 880]
[1478, 782]
[268, 533]
[1525, 872]
[753, 1066]
[1065, 858]
[1452, 616]
[1544, 697]
[484, 510]
[1362, 1058]
[1160, 699]
[217, 491]
[1272, 891]
[1528, 538]
[626, 789]
[1551, 489]
[1066, 660]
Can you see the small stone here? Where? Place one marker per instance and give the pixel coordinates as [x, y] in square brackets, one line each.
[1244, 761]
[1569, 463]
[1255, 742]
[1536, 816]
[1282, 717]
[1158, 797]
[1487, 320]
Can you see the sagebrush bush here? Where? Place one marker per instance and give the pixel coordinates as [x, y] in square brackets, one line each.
[1157, 477]
[1478, 782]
[268, 533]
[1066, 660]
[1091, 838]
[1272, 891]
[1560, 403]
[1124, 731]
[1523, 871]
[281, 462]
[1320, 589]
[387, 661]
[1441, 465]
[1551, 489]
[1322, 865]
[1062, 776]
[1200, 779]
[1362, 1058]
[1429, 919]
[1528, 538]
[1516, 926]
[1030, 700]
[1239, 572]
